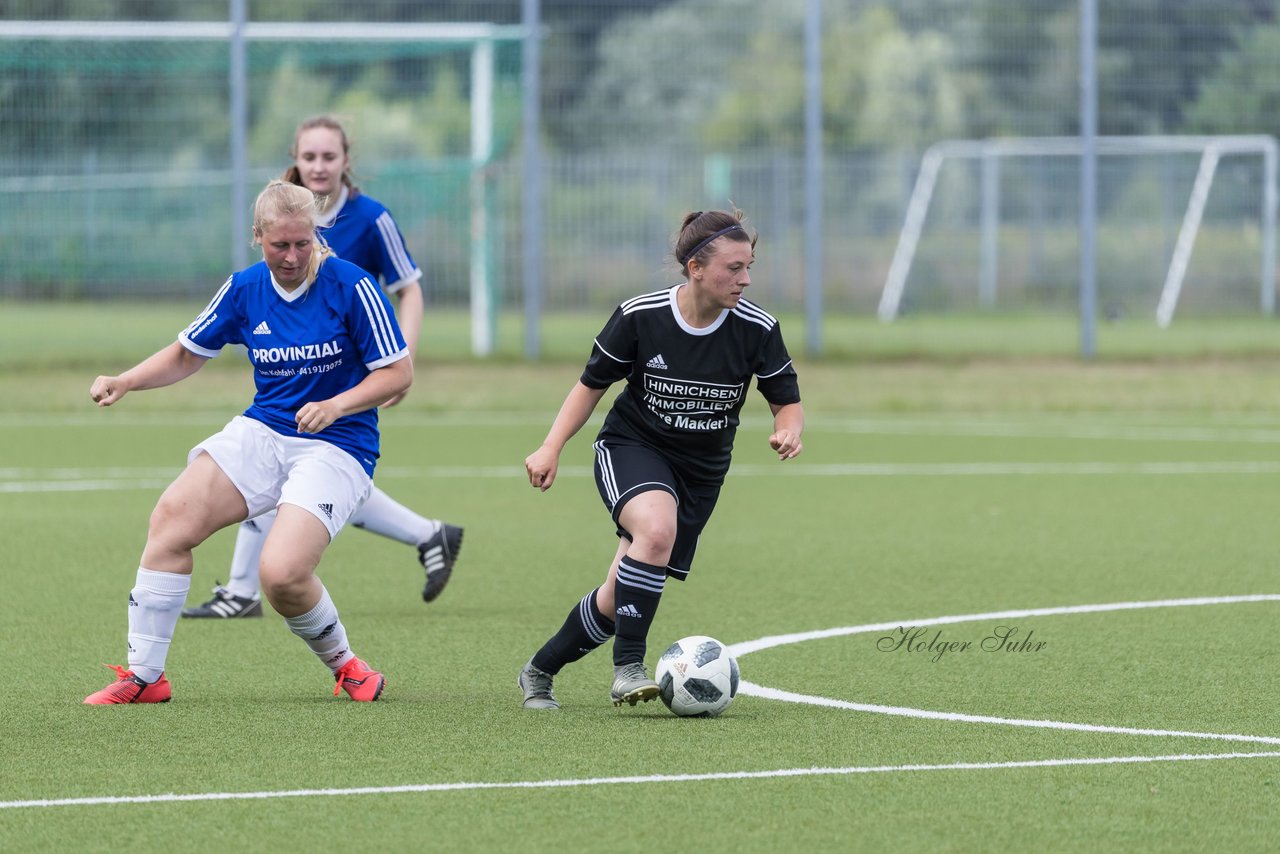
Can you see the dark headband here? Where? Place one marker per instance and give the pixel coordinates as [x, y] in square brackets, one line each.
[703, 244]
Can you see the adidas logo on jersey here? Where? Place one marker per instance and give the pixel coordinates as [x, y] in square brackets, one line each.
[656, 362]
[327, 509]
[262, 329]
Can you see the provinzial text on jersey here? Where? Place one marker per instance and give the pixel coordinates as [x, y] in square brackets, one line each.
[296, 353]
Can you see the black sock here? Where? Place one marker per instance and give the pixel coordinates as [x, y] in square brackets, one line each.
[584, 629]
[636, 594]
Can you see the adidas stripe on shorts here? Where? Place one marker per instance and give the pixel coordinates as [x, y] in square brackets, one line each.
[624, 470]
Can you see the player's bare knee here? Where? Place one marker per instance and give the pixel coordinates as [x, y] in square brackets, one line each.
[653, 539]
[280, 579]
[171, 528]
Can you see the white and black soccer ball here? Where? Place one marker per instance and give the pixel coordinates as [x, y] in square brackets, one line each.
[697, 677]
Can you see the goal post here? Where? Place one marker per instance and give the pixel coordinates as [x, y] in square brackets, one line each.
[990, 153]
[477, 38]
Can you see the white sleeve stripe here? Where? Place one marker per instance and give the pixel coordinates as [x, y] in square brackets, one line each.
[208, 309]
[750, 319]
[396, 287]
[746, 303]
[377, 312]
[196, 348]
[387, 360]
[394, 246]
[658, 300]
[775, 373]
[750, 311]
[665, 294]
[385, 324]
[611, 356]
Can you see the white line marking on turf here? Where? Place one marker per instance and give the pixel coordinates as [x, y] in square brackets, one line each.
[616, 781]
[979, 428]
[22, 481]
[1263, 431]
[747, 647]
[987, 469]
[789, 697]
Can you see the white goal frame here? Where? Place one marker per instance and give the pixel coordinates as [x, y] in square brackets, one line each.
[481, 37]
[990, 151]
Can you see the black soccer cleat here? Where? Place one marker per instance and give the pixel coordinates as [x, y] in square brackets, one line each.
[225, 605]
[437, 556]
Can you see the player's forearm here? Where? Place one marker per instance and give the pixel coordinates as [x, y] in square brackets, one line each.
[789, 417]
[574, 412]
[165, 367]
[409, 309]
[380, 386]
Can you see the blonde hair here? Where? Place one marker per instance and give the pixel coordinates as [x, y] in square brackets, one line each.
[281, 200]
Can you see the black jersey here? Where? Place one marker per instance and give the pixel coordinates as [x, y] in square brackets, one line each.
[686, 386]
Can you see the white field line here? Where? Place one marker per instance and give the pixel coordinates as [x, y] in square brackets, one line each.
[980, 428]
[748, 647]
[31, 480]
[194, 418]
[1266, 432]
[617, 781]
[766, 643]
[899, 711]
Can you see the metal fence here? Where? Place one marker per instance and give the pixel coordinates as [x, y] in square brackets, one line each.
[117, 178]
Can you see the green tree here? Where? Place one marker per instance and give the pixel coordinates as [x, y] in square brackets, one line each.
[1152, 57]
[663, 80]
[1243, 96]
[882, 87]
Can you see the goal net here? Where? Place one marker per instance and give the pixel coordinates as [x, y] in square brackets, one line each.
[1182, 221]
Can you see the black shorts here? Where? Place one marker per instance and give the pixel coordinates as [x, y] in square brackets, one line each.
[624, 470]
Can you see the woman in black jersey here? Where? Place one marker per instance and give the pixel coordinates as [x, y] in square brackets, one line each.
[687, 354]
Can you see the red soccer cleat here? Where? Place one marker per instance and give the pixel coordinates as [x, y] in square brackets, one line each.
[360, 681]
[128, 688]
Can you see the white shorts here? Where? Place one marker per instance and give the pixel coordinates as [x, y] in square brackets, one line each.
[270, 469]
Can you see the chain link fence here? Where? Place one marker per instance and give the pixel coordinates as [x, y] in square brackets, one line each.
[115, 164]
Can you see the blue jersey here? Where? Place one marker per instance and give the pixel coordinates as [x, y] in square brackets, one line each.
[305, 346]
[363, 232]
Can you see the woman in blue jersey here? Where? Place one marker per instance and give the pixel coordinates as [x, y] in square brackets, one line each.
[326, 352]
[361, 230]
[687, 355]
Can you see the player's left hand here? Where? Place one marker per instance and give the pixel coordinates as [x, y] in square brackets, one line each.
[314, 417]
[786, 443]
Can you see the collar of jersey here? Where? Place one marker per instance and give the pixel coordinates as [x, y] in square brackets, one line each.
[343, 195]
[684, 324]
[297, 292]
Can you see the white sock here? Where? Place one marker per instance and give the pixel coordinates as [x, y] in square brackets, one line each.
[323, 632]
[154, 605]
[383, 515]
[250, 536]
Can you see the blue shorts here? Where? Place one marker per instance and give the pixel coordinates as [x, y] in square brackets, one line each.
[624, 470]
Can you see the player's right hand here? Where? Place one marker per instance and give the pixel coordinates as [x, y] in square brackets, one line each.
[106, 390]
[541, 466]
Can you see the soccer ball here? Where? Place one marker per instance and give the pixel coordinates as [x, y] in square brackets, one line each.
[697, 677]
